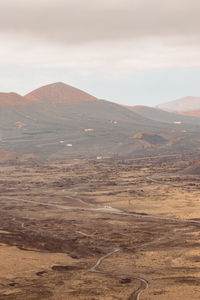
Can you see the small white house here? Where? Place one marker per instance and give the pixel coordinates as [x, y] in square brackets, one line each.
[88, 129]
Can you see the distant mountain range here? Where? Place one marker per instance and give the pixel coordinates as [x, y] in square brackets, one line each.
[187, 106]
[160, 115]
[59, 121]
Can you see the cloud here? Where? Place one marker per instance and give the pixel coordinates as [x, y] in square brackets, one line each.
[108, 59]
[84, 21]
[107, 37]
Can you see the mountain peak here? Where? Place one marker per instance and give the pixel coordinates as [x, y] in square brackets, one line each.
[59, 92]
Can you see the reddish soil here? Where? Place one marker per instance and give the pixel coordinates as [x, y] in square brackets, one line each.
[59, 92]
[5, 154]
[12, 99]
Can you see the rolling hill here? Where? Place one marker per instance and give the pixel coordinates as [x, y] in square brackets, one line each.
[187, 105]
[58, 121]
[160, 115]
[194, 113]
[59, 93]
[11, 100]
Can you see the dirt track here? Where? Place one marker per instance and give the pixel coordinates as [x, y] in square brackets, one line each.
[116, 207]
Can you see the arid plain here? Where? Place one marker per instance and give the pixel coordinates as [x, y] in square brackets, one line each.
[93, 229]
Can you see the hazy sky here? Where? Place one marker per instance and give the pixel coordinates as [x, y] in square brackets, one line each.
[128, 51]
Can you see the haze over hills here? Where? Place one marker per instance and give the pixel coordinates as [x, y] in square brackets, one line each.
[160, 115]
[187, 105]
[57, 121]
[194, 113]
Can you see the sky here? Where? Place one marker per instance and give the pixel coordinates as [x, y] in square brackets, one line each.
[134, 52]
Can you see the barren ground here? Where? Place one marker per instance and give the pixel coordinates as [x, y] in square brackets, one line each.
[100, 229]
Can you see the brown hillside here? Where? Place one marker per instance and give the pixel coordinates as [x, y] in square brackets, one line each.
[12, 99]
[59, 93]
[184, 104]
[193, 113]
[160, 115]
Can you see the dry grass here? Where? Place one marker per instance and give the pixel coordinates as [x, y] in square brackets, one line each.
[35, 237]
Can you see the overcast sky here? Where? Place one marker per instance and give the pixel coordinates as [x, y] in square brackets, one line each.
[128, 51]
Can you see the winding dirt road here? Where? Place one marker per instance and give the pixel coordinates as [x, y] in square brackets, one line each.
[107, 210]
[143, 282]
[136, 294]
[100, 260]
